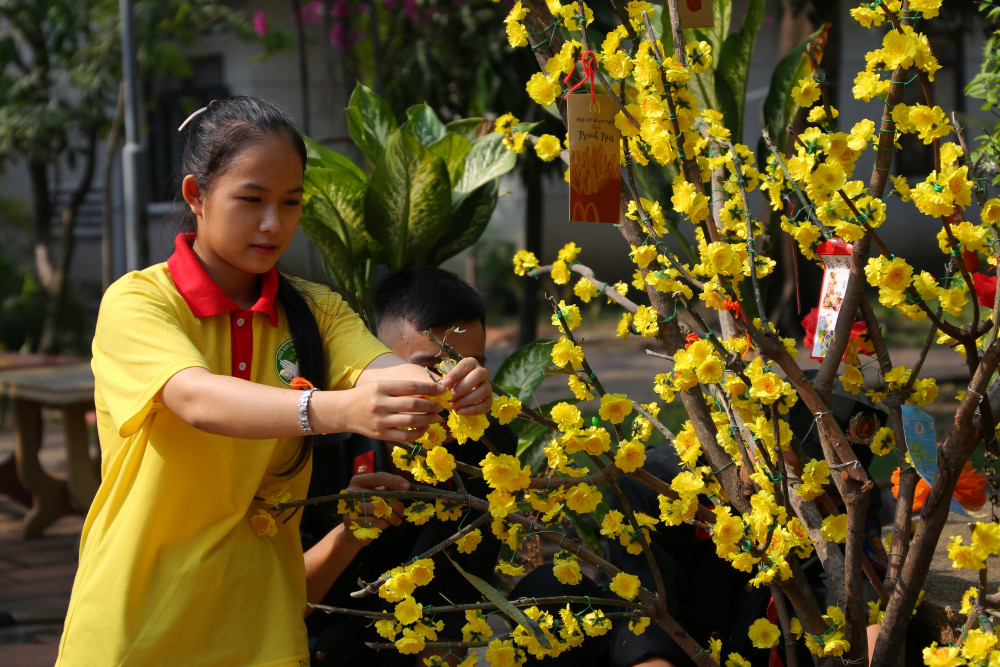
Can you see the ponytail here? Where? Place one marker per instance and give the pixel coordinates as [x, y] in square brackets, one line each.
[309, 350]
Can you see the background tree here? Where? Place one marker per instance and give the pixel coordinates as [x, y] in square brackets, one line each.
[61, 68]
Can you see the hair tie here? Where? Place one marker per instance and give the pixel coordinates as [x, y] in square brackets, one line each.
[194, 114]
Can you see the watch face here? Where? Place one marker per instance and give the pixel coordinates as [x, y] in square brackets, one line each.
[861, 428]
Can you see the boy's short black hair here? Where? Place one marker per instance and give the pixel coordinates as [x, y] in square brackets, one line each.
[426, 297]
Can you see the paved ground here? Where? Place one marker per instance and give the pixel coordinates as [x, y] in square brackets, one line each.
[36, 576]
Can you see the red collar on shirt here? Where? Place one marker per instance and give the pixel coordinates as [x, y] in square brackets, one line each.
[200, 292]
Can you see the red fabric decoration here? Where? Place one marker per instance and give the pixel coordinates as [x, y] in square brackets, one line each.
[986, 288]
[969, 492]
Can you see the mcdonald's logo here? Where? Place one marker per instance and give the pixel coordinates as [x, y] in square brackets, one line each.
[581, 212]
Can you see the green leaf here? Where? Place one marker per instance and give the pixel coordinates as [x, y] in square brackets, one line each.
[452, 148]
[318, 155]
[503, 604]
[523, 371]
[734, 65]
[779, 107]
[369, 122]
[487, 160]
[333, 219]
[468, 222]
[423, 124]
[465, 127]
[408, 203]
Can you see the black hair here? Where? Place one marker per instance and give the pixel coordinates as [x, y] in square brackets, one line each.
[210, 142]
[426, 297]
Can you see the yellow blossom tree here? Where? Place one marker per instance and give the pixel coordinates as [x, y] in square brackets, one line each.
[734, 374]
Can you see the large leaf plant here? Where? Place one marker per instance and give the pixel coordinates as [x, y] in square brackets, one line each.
[428, 192]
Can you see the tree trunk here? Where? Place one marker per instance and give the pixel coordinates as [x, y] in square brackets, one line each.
[528, 321]
[39, 176]
[55, 292]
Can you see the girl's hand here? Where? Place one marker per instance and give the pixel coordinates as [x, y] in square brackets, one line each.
[385, 409]
[470, 386]
[379, 481]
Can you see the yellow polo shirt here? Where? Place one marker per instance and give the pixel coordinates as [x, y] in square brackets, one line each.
[171, 569]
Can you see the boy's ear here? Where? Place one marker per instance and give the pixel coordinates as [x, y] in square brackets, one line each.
[192, 194]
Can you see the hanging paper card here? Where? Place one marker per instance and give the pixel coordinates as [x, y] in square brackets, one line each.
[921, 443]
[836, 256]
[696, 13]
[595, 177]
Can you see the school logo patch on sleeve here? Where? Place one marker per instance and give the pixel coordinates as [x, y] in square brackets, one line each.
[286, 362]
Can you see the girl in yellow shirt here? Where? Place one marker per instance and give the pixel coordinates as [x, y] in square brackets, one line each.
[181, 560]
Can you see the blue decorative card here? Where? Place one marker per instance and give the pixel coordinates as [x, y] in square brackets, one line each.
[918, 429]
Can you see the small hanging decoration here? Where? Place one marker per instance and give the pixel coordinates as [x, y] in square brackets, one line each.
[921, 443]
[595, 177]
[696, 13]
[836, 256]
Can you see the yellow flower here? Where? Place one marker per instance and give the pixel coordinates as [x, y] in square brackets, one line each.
[978, 645]
[276, 494]
[768, 388]
[560, 272]
[505, 408]
[883, 442]
[964, 557]
[524, 261]
[468, 542]
[644, 254]
[625, 585]
[408, 611]
[565, 352]
[638, 625]
[567, 416]
[411, 642]
[476, 628]
[501, 654]
[630, 456]
[583, 498]
[517, 34]
[834, 528]
[699, 56]
[815, 475]
[898, 49]
[618, 65]
[763, 633]
[509, 568]
[579, 388]
[547, 147]
[942, 656]
[364, 531]
[687, 199]
[570, 313]
[569, 252]
[447, 510]
[566, 568]
[585, 289]
[263, 524]
[595, 624]
[387, 627]
[543, 89]
[441, 462]
[467, 427]
[991, 211]
[646, 321]
[806, 93]
[986, 539]
[504, 472]
[419, 512]
[615, 407]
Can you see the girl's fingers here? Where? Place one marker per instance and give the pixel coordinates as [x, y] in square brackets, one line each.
[374, 480]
